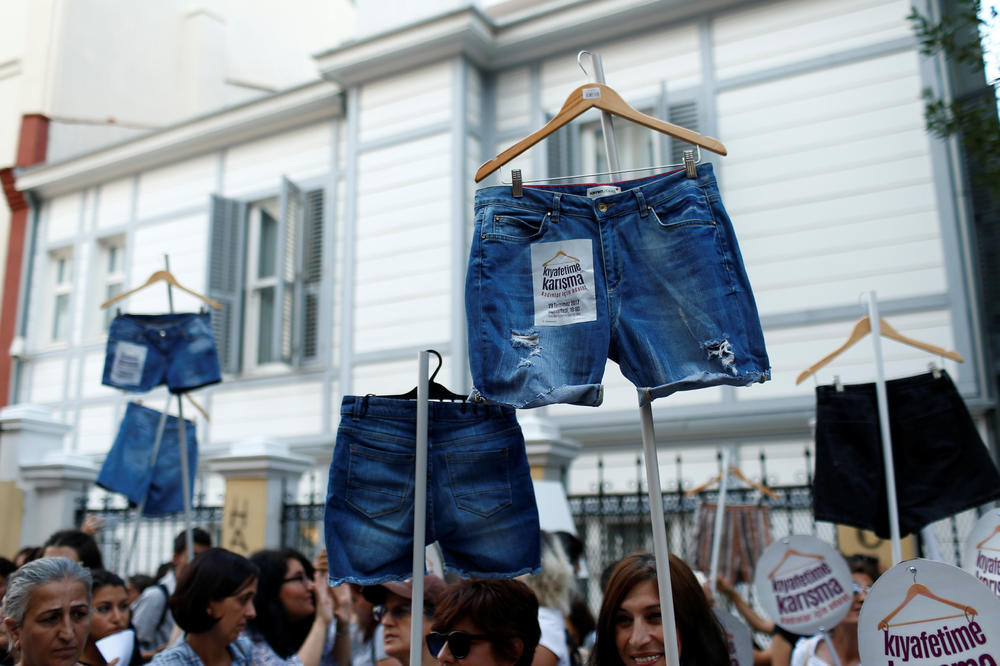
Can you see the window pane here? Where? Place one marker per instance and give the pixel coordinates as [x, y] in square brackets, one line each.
[60, 317]
[113, 259]
[268, 245]
[61, 271]
[265, 325]
[110, 292]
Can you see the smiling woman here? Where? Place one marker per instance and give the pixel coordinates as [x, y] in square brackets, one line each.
[47, 609]
[212, 604]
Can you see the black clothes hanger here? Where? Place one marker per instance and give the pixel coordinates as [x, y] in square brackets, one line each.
[435, 391]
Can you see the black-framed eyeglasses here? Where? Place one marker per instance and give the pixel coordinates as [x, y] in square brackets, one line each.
[859, 588]
[297, 578]
[459, 642]
[397, 612]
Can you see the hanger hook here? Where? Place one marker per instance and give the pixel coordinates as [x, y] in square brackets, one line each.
[440, 363]
[913, 570]
[579, 61]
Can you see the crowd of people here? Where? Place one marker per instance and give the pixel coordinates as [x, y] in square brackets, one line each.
[275, 608]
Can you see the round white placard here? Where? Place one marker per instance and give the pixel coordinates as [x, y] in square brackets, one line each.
[926, 613]
[803, 584]
[982, 551]
[737, 637]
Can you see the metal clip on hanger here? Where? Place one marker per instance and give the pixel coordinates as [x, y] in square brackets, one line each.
[689, 166]
[516, 191]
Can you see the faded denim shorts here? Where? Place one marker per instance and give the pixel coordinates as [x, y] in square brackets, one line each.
[480, 499]
[645, 272]
[129, 468]
[145, 351]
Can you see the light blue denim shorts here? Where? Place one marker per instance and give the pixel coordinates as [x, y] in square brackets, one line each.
[644, 272]
[145, 351]
[129, 468]
[480, 499]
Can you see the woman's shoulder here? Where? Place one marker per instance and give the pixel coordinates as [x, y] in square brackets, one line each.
[262, 654]
[804, 653]
[179, 653]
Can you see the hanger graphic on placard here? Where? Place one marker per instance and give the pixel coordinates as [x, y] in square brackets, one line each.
[558, 254]
[920, 589]
[789, 553]
[982, 544]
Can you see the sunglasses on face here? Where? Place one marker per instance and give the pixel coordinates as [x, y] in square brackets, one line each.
[397, 612]
[459, 642]
[859, 588]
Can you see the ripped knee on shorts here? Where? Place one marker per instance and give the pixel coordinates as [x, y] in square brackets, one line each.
[723, 351]
[525, 341]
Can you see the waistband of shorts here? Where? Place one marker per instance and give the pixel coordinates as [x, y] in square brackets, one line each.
[635, 197]
[929, 380]
[357, 407]
[138, 412]
[143, 322]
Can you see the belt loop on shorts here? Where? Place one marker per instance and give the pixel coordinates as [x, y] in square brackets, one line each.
[360, 408]
[555, 206]
[641, 202]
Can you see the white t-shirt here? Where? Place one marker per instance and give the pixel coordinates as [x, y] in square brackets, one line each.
[553, 627]
[804, 653]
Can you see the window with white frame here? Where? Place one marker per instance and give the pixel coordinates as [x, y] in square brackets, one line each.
[111, 278]
[61, 263]
[266, 270]
[638, 146]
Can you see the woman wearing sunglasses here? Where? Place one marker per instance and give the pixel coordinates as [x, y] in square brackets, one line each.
[486, 623]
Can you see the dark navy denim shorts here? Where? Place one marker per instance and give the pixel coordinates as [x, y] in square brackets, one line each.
[145, 351]
[941, 465]
[480, 499]
[645, 272]
[129, 468]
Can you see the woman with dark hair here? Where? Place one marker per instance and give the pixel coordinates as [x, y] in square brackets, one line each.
[295, 612]
[77, 545]
[629, 629]
[212, 604]
[109, 614]
[486, 623]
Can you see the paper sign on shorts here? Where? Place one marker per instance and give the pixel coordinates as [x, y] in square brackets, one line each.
[926, 613]
[562, 279]
[804, 584]
[982, 551]
[738, 638]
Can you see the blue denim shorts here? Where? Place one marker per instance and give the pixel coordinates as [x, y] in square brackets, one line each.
[645, 272]
[130, 470]
[480, 500]
[145, 351]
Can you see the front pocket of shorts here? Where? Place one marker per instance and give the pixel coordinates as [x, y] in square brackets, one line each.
[689, 206]
[378, 482]
[480, 481]
[515, 226]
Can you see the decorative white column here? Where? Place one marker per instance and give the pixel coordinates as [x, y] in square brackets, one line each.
[35, 468]
[548, 454]
[259, 474]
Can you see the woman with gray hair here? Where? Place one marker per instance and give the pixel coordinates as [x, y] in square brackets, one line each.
[47, 611]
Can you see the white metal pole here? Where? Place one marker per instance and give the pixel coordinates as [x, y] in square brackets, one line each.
[660, 551]
[720, 512]
[883, 417]
[419, 514]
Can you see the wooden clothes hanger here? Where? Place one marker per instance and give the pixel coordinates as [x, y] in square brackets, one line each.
[165, 276]
[600, 96]
[435, 391]
[922, 590]
[738, 473]
[862, 328]
[789, 553]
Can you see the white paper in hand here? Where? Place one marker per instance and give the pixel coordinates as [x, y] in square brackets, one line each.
[117, 645]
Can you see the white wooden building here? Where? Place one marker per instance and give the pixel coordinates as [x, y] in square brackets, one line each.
[832, 182]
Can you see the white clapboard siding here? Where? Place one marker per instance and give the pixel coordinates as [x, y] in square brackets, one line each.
[185, 241]
[406, 102]
[793, 349]
[114, 203]
[97, 427]
[768, 35]
[298, 154]
[390, 378]
[48, 380]
[177, 186]
[474, 97]
[93, 372]
[636, 68]
[63, 219]
[272, 410]
[513, 99]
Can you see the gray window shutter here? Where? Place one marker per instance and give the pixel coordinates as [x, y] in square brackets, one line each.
[312, 275]
[227, 252]
[685, 115]
[559, 153]
[289, 253]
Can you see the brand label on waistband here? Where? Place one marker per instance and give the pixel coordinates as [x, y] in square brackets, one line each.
[129, 360]
[602, 191]
[591, 93]
[562, 275]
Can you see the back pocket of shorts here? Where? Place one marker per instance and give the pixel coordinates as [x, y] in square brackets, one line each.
[480, 481]
[378, 482]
